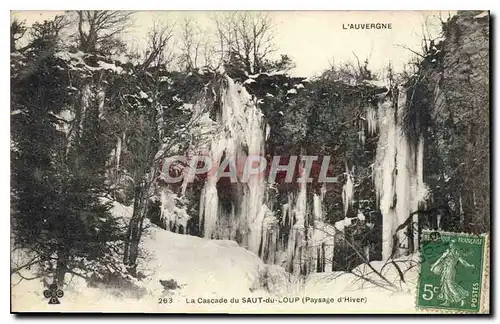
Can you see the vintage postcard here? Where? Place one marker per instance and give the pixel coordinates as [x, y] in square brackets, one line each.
[250, 162]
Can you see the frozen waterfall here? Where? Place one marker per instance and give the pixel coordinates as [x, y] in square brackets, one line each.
[298, 236]
[242, 134]
[397, 175]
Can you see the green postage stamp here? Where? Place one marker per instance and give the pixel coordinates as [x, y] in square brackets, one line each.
[452, 272]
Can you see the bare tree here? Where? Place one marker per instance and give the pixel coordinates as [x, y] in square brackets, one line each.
[45, 37]
[98, 26]
[50, 28]
[44, 34]
[159, 50]
[152, 130]
[17, 31]
[191, 45]
[247, 36]
[199, 49]
[350, 72]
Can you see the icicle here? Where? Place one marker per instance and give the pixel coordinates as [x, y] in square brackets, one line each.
[300, 206]
[118, 151]
[383, 171]
[361, 135]
[299, 246]
[269, 237]
[272, 247]
[324, 237]
[100, 99]
[323, 191]
[67, 116]
[171, 215]
[86, 95]
[208, 208]
[201, 213]
[422, 188]
[290, 209]
[404, 181]
[371, 119]
[360, 215]
[347, 192]
[317, 207]
[243, 133]
[159, 122]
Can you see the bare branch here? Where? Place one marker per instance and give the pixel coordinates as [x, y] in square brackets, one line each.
[246, 36]
[191, 45]
[409, 49]
[94, 27]
[158, 40]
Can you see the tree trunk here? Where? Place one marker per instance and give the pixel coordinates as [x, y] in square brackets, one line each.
[135, 228]
[61, 268]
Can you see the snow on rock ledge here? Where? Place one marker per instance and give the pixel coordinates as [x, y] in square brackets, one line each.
[203, 268]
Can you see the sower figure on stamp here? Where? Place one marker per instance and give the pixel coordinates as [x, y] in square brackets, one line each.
[445, 266]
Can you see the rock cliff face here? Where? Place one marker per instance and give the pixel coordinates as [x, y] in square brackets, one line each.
[449, 105]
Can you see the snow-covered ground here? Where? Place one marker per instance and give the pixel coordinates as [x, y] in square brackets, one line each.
[210, 269]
